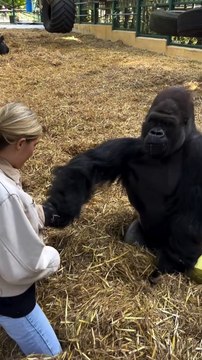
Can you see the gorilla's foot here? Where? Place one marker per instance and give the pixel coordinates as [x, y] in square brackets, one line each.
[134, 234]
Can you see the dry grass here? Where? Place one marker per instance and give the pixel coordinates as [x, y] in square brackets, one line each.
[85, 91]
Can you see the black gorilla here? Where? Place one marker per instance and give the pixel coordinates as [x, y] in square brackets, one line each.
[161, 172]
[4, 49]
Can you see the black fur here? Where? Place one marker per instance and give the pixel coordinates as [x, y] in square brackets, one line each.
[4, 49]
[161, 172]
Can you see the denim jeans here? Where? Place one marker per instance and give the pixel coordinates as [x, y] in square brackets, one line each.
[33, 333]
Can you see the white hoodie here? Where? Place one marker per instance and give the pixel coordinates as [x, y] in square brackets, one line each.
[24, 258]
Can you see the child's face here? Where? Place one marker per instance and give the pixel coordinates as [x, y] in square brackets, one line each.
[25, 150]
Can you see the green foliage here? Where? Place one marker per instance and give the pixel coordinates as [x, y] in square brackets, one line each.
[9, 3]
[186, 40]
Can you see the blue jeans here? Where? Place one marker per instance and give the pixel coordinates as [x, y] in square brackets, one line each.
[33, 333]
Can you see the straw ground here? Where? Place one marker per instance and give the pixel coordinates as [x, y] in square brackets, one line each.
[100, 303]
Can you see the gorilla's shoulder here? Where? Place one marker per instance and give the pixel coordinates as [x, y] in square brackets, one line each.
[133, 148]
[193, 147]
[125, 147]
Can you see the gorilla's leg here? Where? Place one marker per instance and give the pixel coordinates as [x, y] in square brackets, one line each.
[134, 235]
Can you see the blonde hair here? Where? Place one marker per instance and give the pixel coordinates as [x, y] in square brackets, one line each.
[16, 121]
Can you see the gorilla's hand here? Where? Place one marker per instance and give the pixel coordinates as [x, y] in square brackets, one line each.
[52, 218]
[154, 277]
[167, 263]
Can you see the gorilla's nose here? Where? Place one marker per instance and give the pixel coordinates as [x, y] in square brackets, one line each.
[157, 132]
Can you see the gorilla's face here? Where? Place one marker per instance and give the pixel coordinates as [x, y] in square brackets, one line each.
[163, 130]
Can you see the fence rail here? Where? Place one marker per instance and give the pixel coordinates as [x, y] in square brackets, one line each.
[133, 15]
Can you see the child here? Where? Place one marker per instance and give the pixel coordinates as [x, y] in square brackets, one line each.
[24, 258]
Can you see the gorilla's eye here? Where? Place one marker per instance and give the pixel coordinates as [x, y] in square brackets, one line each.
[168, 123]
[151, 120]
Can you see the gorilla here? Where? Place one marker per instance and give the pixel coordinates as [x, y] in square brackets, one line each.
[161, 172]
[4, 49]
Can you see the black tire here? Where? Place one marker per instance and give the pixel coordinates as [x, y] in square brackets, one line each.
[190, 23]
[164, 22]
[59, 15]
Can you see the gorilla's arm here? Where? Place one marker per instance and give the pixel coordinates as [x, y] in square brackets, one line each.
[75, 182]
[184, 247]
[185, 243]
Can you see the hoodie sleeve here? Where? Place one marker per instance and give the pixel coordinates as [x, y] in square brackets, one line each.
[24, 256]
[41, 216]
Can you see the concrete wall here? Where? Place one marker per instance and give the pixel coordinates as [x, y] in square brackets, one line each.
[105, 32]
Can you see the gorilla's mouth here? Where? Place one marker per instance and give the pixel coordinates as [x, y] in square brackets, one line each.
[156, 149]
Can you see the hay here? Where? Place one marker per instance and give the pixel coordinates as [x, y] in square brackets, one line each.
[85, 91]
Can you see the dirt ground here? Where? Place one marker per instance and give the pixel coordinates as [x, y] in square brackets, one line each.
[100, 303]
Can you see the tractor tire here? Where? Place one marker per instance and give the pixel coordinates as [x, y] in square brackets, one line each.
[190, 23]
[58, 16]
[164, 22]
